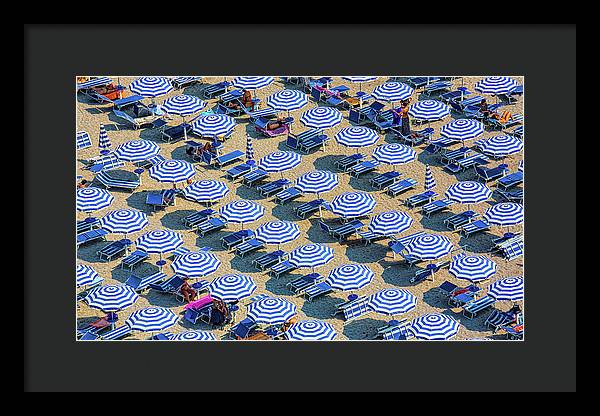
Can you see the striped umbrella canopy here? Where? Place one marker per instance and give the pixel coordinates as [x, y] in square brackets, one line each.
[435, 326]
[392, 91]
[82, 140]
[311, 255]
[392, 301]
[356, 136]
[468, 192]
[249, 149]
[194, 336]
[359, 79]
[521, 166]
[501, 145]
[183, 105]
[159, 241]
[92, 199]
[472, 268]
[151, 319]
[104, 141]
[172, 170]
[136, 150]
[252, 83]
[206, 190]
[429, 110]
[429, 179]
[232, 287]
[277, 232]
[111, 298]
[505, 214]
[350, 277]
[151, 87]
[353, 204]
[509, 288]
[271, 311]
[311, 330]
[242, 211]
[495, 85]
[321, 117]
[85, 274]
[196, 264]
[279, 161]
[394, 154]
[390, 223]
[463, 129]
[213, 125]
[317, 181]
[287, 100]
[124, 221]
[429, 246]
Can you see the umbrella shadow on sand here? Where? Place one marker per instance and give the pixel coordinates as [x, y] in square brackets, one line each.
[137, 200]
[174, 220]
[89, 251]
[245, 192]
[362, 183]
[359, 253]
[244, 264]
[398, 275]
[436, 222]
[326, 162]
[277, 285]
[285, 212]
[477, 243]
[316, 235]
[363, 329]
[212, 240]
[321, 308]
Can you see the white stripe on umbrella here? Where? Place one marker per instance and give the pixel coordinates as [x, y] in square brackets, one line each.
[232, 287]
[92, 199]
[311, 255]
[392, 301]
[277, 232]
[173, 170]
[196, 264]
[111, 298]
[311, 330]
[151, 319]
[151, 87]
[206, 190]
[242, 211]
[213, 125]
[356, 136]
[124, 221]
[353, 204]
[505, 214]
[317, 181]
[390, 223]
[350, 277]
[435, 326]
[271, 311]
[85, 274]
[136, 150]
[159, 241]
[321, 117]
[472, 268]
[429, 246]
[509, 288]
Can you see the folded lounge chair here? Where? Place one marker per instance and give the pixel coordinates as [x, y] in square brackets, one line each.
[161, 199]
[109, 182]
[353, 309]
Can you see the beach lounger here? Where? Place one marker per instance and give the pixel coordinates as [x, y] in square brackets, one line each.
[515, 331]
[176, 133]
[269, 259]
[420, 199]
[457, 94]
[237, 171]
[510, 180]
[249, 246]
[368, 237]
[458, 220]
[109, 182]
[396, 331]
[471, 309]
[474, 227]
[454, 155]
[243, 329]
[90, 236]
[511, 95]
[132, 260]
[429, 271]
[518, 132]
[88, 224]
[401, 186]
[302, 283]
[353, 309]
[347, 162]
[489, 174]
[437, 87]
[365, 114]
[397, 245]
[287, 195]
[232, 240]
[170, 286]
[342, 232]
[270, 188]
[215, 90]
[223, 160]
[82, 140]
[210, 225]
[436, 206]
[316, 290]
[515, 195]
[363, 167]
[497, 319]
[474, 160]
[414, 138]
[267, 113]
[504, 123]
[309, 208]
[440, 146]
[152, 161]
[447, 288]
[463, 295]
[513, 250]
[421, 82]
[197, 217]
[254, 176]
[118, 333]
[104, 162]
[142, 283]
[261, 126]
[112, 250]
[136, 122]
[182, 82]
[282, 267]
[161, 199]
[94, 328]
[92, 83]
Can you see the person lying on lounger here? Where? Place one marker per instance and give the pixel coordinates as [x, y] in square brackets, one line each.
[275, 124]
[110, 91]
[246, 101]
[186, 290]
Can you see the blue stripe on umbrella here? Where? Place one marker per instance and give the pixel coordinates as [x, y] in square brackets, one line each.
[111, 298]
[392, 301]
[82, 140]
[311, 330]
[435, 326]
[321, 117]
[429, 246]
[505, 214]
[271, 311]
[353, 204]
[350, 277]
[394, 154]
[159, 241]
[137, 150]
[356, 136]
[92, 199]
[311, 255]
[124, 221]
[462, 129]
[151, 86]
[521, 166]
[194, 336]
[287, 100]
[429, 179]
[277, 232]
[103, 141]
[359, 78]
[232, 287]
[468, 192]
[206, 190]
[501, 145]
[183, 105]
[279, 161]
[390, 223]
[429, 110]
[85, 274]
[242, 211]
[317, 181]
[151, 319]
[249, 149]
[509, 288]
[495, 85]
[213, 125]
[252, 83]
[392, 91]
[196, 264]
[472, 268]
[173, 170]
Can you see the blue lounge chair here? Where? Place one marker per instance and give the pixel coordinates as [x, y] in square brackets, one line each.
[471, 309]
[182, 82]
[363, 167]
[254, 176]
[309, 208]
[437, 87]
[441, 145]
[515, 195]
[401, 186]
[513, 250]
[429, 271]
[152, 161]
[239, 170]
[474, 227]
[436, 206]
[112, 250]
[365, 114]
[117, 333]
[243, 329]
[269, 259]
[458, 220]
[161, 199]
[496, 124]
[497, 319]
[92, 235]
[82, 140]
[282, 267]
[511, 95]
[344, 231]
[302, 283]
[228, 158]
[421, 82]
[458, 94]
[420, 199]
[215, 90]
[347, 162]
[270, 188]
[176, 133]
[249, 246]
[395, 331]
[104, 162]
[261, 125]
[454, 155]
[109, 182]
[210, 225]
[142, 283]
[447, 288]
[287, 195]
[132, 260]
[353, 309]
[460, 165]
[197, 217]
[170, 286]
[398, 245]
[87, 225]
[490, 174]
[316, 290]
[295, 141]
[230, 241]
[368, 237]
[510, 180]
[463, 295]
[414, 138]
[385, 179]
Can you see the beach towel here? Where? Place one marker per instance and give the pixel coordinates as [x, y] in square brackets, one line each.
[200, 303]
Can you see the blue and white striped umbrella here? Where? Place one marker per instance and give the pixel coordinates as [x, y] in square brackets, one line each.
[501, 145]
[509, 288]
[194, 336]
[392, 301]
[505, 214]
[159, 241]
[521, 166]
[311, 330]
[85, 274]
[356, 136]
[311, 255]
[92, 199]
[206, 190]
[136, 150]
[213, 125]
[232, 287]
[124, 221]
[172, 170]
[82, 140]
[463, 129]
[111, 298]
[392, 91]
[104, 141]
[429, 246]
[287, 100]
[435, 326]
[472, 268]
[429, 110]
[183, 105]
[496, 85]
[390, 223]
[353, 204]
[321, 117]
[252, 83]
[317, 181]
[151, 87]
[242, 211]
[394, 154]
[277, 232]
[429, 179]
[279, 161]
[350, 277]
[271, 311]
[196, 264]
[468, 192]
[151, 319]
[359, 79]
[249, 149]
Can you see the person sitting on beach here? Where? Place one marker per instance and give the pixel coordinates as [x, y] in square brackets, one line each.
[484, 109]
[82, 184]
[189, 294]
[246, 101]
